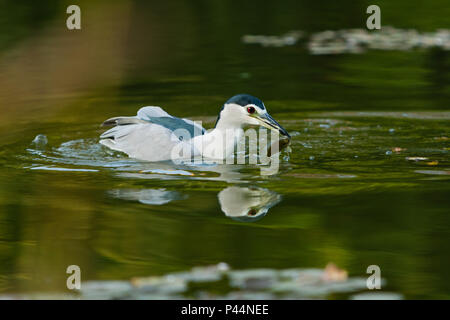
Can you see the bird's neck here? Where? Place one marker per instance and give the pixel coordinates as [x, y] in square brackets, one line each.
[220, 142]
[227, 121]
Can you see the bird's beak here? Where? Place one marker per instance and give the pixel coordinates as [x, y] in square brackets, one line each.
[270, 123]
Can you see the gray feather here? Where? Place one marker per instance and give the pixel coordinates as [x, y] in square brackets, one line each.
[154, 115]
[146, 113]
[121, 121]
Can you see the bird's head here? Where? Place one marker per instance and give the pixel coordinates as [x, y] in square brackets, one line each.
[247, 204]
[244, 109]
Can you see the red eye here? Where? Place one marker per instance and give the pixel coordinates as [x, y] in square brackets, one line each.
[251, 110]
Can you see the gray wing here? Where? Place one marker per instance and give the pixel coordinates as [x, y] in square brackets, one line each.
[158, 116]
[151, 135]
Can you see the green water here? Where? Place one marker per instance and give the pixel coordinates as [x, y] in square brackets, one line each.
[366, 182]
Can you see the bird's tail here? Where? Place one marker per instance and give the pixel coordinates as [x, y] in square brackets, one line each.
[121, 121]
[122, 127]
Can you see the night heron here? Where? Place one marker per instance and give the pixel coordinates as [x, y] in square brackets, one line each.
[153, 134]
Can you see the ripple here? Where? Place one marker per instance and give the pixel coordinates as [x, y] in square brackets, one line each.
[50, 168]
[92, 157]
[434, 172]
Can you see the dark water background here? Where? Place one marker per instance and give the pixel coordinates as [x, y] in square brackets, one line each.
[366, 181]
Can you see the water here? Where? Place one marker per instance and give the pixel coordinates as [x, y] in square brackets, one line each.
[367, 181]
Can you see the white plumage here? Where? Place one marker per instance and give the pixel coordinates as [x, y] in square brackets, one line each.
[141, 137]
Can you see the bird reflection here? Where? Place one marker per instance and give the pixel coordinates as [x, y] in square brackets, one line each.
[247, 204]
[155, 197]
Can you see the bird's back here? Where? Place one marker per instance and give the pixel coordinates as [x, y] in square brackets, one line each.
[151, 135]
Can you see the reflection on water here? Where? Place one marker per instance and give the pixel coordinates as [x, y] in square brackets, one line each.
[147, 196]
[247, 204]
[238, 203]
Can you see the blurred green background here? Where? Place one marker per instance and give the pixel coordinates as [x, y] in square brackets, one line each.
[188, 57]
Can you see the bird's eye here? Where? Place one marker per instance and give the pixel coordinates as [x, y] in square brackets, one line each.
[252, 212]
[251, 110]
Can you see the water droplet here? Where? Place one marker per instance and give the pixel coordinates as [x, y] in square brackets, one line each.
[40, 141]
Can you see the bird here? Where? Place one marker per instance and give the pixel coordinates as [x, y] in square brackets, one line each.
[154, 135]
